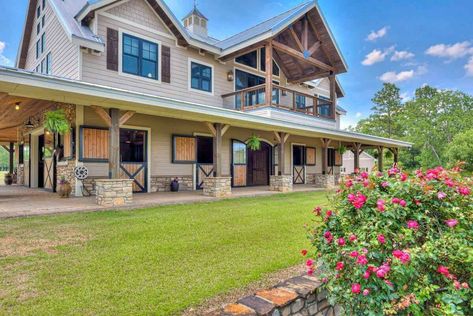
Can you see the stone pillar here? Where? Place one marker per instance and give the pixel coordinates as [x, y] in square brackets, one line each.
[282, 183]
[65, 169]
[20, 175]
[325, 181]
[218, 186]
[114, 192]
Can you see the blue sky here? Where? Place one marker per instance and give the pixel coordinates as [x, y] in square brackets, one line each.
[408, 42]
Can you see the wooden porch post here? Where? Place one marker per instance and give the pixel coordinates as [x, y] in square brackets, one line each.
[281, 156]
[269, 74]
[380, 158]
[395, 152]
[325, 144]
[217, 146]
[114, 145]
[11, 152]
[356, 152]
[333, 95]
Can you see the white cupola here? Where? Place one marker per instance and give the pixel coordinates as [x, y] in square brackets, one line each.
[196, 22]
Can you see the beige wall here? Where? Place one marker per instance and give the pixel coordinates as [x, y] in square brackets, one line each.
[65, 54]
[162, 130]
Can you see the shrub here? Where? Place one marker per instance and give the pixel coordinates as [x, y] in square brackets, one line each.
[461, 149]
[395, 243]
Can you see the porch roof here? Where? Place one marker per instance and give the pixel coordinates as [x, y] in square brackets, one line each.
[25, 84]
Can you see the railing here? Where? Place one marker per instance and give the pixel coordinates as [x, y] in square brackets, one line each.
[283, 98]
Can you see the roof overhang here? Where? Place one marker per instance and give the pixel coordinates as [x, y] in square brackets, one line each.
[32, 85]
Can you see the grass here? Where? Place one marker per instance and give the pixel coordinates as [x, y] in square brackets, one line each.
[154, 261]
[2, 177]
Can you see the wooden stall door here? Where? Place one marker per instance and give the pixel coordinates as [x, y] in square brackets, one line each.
[204, 171]
[259, 165]
[298, 164]
[133, 158]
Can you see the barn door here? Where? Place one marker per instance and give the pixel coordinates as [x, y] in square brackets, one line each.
[239, 164]
[134, 158]
[205, 160]
[46, 162]
[298, 164]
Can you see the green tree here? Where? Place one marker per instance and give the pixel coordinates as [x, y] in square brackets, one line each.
[461, 149]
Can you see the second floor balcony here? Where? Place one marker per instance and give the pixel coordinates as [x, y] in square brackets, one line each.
[253, 98]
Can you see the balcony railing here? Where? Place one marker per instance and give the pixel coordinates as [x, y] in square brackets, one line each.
[283, 98]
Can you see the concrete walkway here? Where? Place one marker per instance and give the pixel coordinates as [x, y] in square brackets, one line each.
[17, 201]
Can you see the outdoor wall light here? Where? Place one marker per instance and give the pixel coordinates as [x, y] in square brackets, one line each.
[17, 106]
[230, 76]
[29, 124]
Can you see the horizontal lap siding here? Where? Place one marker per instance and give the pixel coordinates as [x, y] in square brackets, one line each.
[65, 54]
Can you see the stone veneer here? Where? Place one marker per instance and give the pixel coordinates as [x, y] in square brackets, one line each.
[281, 183]
[114, 192]
[20, 174]
[298, 296]
[66, 169]
[218, 186]
[163, 183]
[326, 181]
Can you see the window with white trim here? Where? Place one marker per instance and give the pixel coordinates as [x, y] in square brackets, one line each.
[140, 57]
[201, 77]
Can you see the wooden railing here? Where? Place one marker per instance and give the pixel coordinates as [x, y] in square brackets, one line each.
[283, 98]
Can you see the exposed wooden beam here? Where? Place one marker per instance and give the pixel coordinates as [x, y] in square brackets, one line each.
[125, 117]
[294, 53]
[225, 129]
[305, 34]
[333, 95]
[296, 39]
[102, 114]
[242, 51]
[211, 127]
[286, 136]
[269, 74]
[317, 34]
[278, 137]
[314, 48]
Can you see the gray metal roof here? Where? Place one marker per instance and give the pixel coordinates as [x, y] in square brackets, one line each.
[195, 11]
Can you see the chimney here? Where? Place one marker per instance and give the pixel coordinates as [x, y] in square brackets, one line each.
[196, 22]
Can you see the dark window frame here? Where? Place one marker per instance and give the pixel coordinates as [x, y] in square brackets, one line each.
[240, 59]
[239, 142]
[183, 162]
[301, 101]
[276, 69]
[81, 144]
[140, 58]
[200, 77]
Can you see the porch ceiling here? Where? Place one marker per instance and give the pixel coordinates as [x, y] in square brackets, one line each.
[39, 87]
[11, 118]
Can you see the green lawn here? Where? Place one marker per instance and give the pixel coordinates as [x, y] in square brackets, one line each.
[155, 261]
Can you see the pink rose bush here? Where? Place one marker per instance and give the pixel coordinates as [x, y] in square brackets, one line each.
[398, 244]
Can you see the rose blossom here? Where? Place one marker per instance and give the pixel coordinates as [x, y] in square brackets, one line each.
[304, 252]
[396, 200]
[309, 262]
[349, 183]
[443, 270]
[389, 283]
[318, 210]
[357, 200]
[380, 205]
[352, 237]
[403, 256]
[385, 184]
[464, 191]
[366, 183]
[354, 254]
[356, 288]
[367, 274]
[310, 272]
[341, 241]
[403, 177]
[441, 195]
[366, 292]
[449, 183]
[381, 239]
[361, 260]
[451, 222]
[412, 224]
[328, 236]
[339, 266]
[364, 175]
[402, 203]
[324, 280]
[457, 284]
[465, 285]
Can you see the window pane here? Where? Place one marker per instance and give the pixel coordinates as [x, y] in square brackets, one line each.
[204, 150]
[132, 145]
[249, 59]
[206, 85]
[130, 64]
[148, 69]
[239, 153]
[195, 83]
[201, 77]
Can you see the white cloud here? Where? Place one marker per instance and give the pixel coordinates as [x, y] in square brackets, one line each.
[401, 55]
[358, 114]
[405, 96]
[3, 59]
[469, 67]
[374, 35]
[392, 76]
[376, 56]
[452, 51]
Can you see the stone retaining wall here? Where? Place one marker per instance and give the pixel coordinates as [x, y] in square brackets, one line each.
[163, 183]
[66, 169]
[114, 192]
[298, 296]
[281, 183]
[326, 181]
[218, 186]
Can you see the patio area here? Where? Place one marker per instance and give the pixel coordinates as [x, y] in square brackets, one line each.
[17, 201]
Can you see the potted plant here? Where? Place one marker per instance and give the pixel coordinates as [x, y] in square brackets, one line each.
[175, 185]
[8, 179]
[254, 143]
[56, 122]
[64, 188]
[342, 149]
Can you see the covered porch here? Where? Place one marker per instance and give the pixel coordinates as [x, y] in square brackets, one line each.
[130, 142]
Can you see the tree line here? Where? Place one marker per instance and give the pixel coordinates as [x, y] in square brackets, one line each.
[439, 123]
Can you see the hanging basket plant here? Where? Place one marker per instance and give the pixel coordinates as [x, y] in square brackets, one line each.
[254, 143]
[56, 122]
[342, 149]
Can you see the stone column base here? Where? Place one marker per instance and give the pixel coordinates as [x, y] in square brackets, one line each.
[326, 181]
[114, 192]
[65, 169]
[281, 183]
[218, 186]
